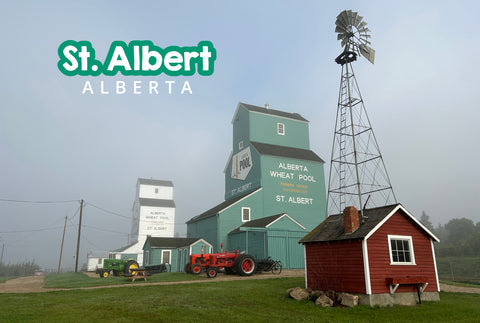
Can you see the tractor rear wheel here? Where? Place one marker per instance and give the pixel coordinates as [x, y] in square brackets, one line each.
[212, 272]
[196, 269]
[245, 265]
[130, 267]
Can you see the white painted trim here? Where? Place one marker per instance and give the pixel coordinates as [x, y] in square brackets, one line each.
[305, 257]
[228, 162]
[366, 268]
[288, 216]
[410, 245]
[399, 206]
[246, 196]
[249, 214]
[435, 265]
[170, 258]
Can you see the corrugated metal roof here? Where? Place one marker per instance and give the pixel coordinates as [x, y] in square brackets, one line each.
[279, 113]
[156, 202]
[289, 152]
[156, 182]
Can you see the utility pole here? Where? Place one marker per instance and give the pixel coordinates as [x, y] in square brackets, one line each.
[61, 248]
[78, 239]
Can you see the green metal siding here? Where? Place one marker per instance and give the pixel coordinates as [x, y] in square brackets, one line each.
[299, 192]
[263, 128]
[256, 244]
[231, 218]
[284, 246]
[128, 256]
[237, 241]
[206, 228]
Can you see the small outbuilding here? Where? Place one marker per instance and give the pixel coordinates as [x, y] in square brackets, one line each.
[385, 257]
[173, 251]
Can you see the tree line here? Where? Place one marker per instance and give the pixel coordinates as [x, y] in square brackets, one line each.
[22, 269]
[460, 237]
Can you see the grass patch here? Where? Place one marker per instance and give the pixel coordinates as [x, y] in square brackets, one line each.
[456, 283]
[234, 301]
[5, 278]
[77, 280]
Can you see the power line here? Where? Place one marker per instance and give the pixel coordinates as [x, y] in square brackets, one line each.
[37, 202]
[107, 211]
[35, 230]
[104, 230]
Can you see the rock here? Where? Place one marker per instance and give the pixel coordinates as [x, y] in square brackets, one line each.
[324, 301]
[314, 294]
[299, 294]
[333, 295]
[349, 300]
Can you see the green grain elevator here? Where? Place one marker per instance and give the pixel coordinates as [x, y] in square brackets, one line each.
[274, 188]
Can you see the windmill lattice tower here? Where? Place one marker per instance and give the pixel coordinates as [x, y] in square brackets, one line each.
[358, 176]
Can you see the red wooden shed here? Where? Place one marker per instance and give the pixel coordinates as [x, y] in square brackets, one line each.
[385, 257]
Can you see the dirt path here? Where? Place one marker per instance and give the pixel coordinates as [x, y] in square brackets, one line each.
[35, 284]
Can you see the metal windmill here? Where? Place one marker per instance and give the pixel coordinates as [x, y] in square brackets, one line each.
[358, 176]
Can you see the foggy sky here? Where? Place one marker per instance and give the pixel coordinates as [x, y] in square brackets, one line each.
[59, 145]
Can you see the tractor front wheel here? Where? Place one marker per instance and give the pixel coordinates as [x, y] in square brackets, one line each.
[245, 265]
[104, 274]
[212, 272]
[196, 269]
[187, 268]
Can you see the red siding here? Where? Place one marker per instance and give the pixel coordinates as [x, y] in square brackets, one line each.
[336, 266]
[379, 256]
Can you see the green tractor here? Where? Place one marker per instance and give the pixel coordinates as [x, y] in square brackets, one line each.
[116, 267]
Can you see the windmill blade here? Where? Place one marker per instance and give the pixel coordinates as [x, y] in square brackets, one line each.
[340, 29]
[367, 52]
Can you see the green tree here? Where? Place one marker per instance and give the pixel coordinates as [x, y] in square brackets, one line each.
[425, 219]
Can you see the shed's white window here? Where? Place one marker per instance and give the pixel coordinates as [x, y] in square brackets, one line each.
[245, 214]
[281, 128]
[401, 250]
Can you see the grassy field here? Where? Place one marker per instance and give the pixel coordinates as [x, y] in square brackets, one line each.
[459, 269]
[215, 301]
[75, 280]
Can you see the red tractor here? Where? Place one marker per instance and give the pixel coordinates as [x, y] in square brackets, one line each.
[231, 263]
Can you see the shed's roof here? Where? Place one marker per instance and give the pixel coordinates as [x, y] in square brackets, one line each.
[332, 228]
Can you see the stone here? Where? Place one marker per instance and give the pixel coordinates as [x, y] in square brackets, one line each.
[314, 294]
[349, 300]
[299, 294]
[324, 301]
